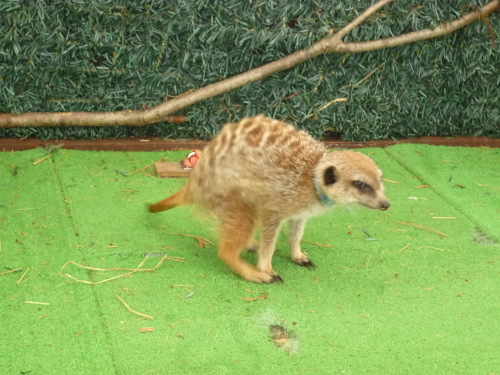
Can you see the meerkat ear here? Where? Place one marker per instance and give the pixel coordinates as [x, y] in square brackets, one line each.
[329, 176]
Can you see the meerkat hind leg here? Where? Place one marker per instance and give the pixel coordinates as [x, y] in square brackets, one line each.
[296, 231]
[235, 235]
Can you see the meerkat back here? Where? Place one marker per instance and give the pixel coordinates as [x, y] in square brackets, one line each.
[258, 160]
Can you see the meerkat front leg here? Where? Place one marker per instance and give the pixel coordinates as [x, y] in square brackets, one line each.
[296, 231]
[268, 238]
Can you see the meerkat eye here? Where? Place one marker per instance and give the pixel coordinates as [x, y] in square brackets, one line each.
[361, 186]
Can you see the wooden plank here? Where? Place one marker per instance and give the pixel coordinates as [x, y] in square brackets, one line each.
[166, 169]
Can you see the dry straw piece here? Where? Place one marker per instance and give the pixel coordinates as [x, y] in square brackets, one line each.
[11, 271]
[37, 303]
[422, 227]
[202, 241]
[131, 271]
[404, 248]
[146, 329]
[22, 277]
[42, 159]
[263, 296]
[491, 187]
[316, 244]
[133, 311]
[435, 248]
[147, 166]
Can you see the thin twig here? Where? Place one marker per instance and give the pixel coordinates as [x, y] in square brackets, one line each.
[133, 311]
[361, 18]
[368, 76]
[331, 102]
[291, 96]
[486, 21]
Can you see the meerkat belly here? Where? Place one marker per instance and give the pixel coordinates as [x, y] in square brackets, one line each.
[312, 210]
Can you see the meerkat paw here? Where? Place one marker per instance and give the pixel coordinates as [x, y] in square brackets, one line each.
[270, 275]
[274, 278]
[263, 278]
[303, 260]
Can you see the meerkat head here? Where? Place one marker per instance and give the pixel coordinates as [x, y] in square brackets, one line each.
[348, 177]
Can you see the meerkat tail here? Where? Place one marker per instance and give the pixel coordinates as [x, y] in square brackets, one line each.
[176, 199]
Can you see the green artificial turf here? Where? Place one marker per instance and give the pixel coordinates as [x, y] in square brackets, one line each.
[388, 297]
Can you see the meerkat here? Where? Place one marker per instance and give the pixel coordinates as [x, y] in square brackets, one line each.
[262, 172]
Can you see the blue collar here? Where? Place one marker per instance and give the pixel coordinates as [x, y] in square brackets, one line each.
[325, 199]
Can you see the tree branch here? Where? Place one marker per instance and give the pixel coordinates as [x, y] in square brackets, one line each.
[361, 18]
[161, 112]
[438, 31]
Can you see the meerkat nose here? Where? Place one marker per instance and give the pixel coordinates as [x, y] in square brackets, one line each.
[384, 205]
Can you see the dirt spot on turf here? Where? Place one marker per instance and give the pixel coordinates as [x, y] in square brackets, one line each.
[283, 338]
[482, 238]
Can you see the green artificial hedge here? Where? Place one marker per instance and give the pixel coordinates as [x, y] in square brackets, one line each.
[78, 55]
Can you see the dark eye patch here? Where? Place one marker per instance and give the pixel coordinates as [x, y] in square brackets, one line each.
[362, 186]
[329, 176]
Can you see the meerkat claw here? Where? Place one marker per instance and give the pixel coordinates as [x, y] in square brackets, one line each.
[307, 264]
[276, 279]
